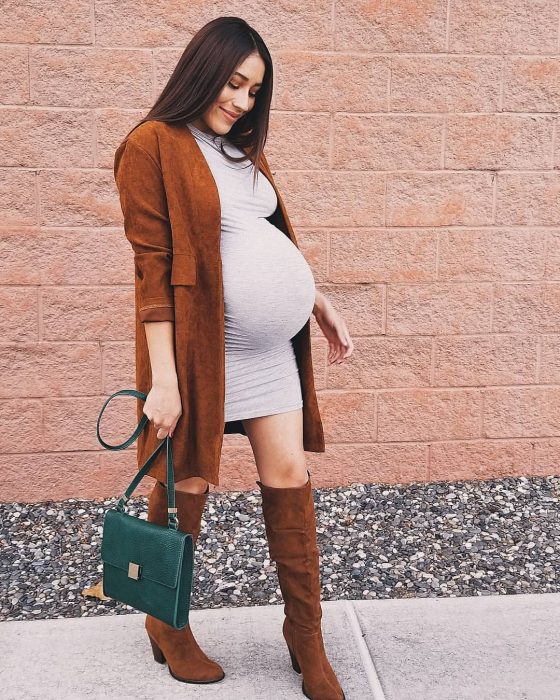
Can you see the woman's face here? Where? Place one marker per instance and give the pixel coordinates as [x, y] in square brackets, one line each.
[236, 98]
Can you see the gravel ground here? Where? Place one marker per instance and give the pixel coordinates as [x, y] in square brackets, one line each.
[376, 541]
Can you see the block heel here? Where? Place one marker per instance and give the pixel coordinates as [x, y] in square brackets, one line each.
[294, 661]
[158, 654]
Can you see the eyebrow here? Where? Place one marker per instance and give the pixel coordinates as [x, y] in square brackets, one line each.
[246, 78]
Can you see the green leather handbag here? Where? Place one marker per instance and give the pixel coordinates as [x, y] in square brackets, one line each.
[146, 565]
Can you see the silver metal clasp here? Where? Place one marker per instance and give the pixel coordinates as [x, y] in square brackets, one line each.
[134, 570]
[173, 517]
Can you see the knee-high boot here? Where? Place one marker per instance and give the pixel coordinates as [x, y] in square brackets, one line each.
[185, 659]
[289, 515]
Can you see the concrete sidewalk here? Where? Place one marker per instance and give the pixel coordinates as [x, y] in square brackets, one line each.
[481, 648]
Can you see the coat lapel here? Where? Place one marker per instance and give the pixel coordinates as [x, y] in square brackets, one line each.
[208, 202]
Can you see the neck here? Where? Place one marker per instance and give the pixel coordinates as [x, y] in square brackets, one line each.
[202, 126]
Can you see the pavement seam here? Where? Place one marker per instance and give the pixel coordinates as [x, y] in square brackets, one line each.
[367, 661]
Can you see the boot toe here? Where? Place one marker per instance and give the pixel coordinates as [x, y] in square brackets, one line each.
[209, 672]
[185, 659]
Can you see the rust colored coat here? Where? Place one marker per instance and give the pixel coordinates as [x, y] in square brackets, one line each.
[172, 219]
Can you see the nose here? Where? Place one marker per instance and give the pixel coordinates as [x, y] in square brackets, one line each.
[241, 102]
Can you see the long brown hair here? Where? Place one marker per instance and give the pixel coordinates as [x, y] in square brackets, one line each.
[205, 66]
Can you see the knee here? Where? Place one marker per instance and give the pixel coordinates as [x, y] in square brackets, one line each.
[290, 474]
[194, 484]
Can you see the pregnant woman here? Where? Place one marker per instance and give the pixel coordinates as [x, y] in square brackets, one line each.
[223, 299]
[269, 290]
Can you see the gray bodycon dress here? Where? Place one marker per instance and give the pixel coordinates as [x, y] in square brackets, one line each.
[269, 290]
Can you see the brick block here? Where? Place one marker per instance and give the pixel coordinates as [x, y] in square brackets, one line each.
[87, 313]
[20, 314]
[328, 198]
[527, 308]
[348, 416]
[332, 82]
[478, 360]
[429, 414]
[498, 141]
[383, 255]
[532, 84]
[492, 254]
[378, 363]
[390, 26]
[79, 198]
[480, 459]
[14, 77]
[44, 22]
[439, 199]
[387, 142]
[529, 198]
[503, 26]
[522, 412]
[445, 83]
[92, 77]
[43, 369]
[439, 308]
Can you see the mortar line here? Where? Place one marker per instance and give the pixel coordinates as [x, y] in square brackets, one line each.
[367, 661]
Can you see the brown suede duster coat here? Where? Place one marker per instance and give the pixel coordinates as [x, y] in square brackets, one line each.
[172, 219]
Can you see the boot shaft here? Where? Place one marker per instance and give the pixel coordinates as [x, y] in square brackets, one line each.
[190, 507]
[290, 523]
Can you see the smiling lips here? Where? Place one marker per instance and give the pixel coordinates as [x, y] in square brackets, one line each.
[233, 117]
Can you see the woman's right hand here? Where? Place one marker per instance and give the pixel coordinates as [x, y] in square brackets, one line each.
[163, 407]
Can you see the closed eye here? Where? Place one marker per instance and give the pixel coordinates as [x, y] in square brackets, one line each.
[236, 87]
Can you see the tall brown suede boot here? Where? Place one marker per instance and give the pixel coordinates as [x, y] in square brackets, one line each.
[289, 515]
[185, 659]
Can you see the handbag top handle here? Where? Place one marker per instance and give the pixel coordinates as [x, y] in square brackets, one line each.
[171, 508]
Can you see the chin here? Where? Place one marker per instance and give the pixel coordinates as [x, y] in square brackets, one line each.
[222, 122]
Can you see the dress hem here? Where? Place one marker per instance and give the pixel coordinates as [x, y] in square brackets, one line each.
[259, 414]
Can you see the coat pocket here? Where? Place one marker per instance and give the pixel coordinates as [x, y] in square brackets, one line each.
[183, 269]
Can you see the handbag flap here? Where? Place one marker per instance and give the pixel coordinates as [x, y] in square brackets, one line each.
[157, 549]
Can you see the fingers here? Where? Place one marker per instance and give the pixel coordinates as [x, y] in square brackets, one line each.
[342, 349]
[162, 430]
[338, 353]
[163, 409]
[349, 347]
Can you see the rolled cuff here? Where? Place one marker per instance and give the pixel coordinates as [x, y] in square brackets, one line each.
[157, 312]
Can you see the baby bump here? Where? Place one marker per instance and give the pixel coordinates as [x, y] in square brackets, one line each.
[269, 290]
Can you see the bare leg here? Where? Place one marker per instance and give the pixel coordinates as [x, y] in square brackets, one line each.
[194, 484]
[289, 515]
[277, 444]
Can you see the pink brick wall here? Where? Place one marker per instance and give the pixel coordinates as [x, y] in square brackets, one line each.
[417, 145]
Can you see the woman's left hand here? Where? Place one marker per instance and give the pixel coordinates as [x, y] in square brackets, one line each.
[334, 329]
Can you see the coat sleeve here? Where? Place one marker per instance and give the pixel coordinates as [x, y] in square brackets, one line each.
[146, 224]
